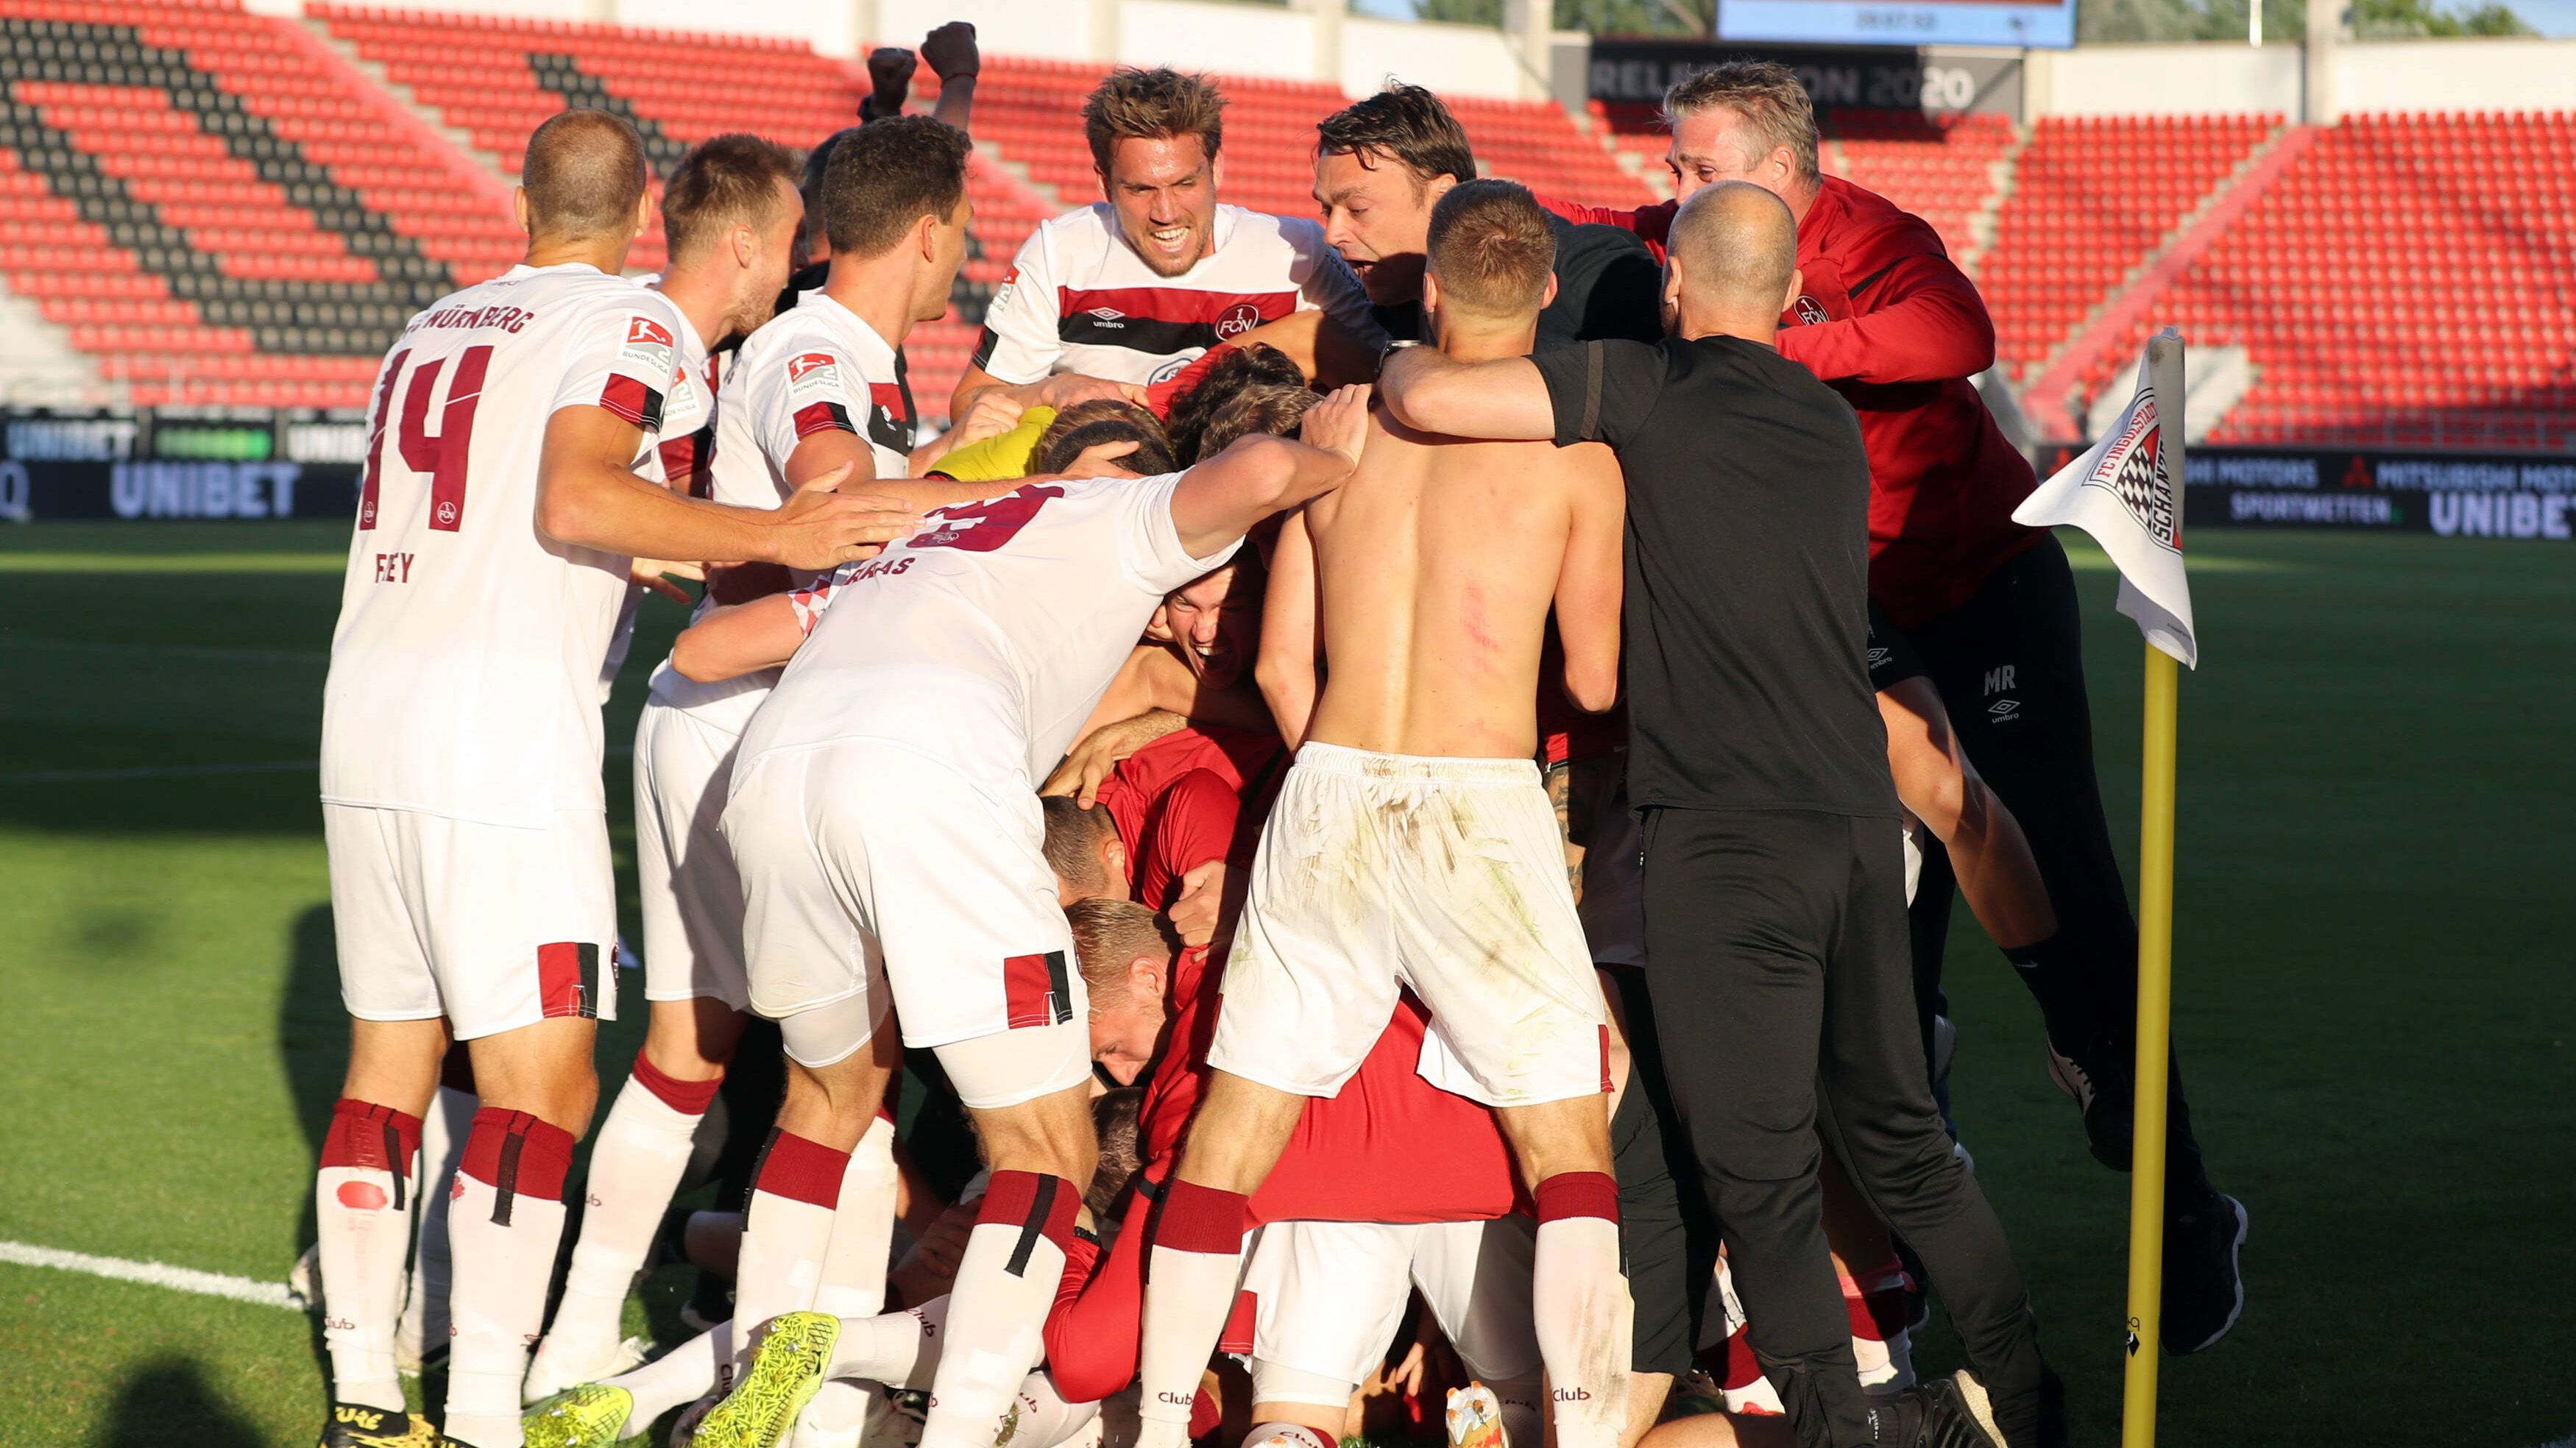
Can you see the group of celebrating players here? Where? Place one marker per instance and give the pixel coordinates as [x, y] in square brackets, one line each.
[1375, 766]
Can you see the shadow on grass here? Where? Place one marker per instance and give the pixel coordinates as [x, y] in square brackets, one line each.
[169, 1401]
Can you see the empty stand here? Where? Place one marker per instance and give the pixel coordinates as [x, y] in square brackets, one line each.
[217, 209]
[1942, 168]
[2404, 283]
[2092, 199]
[187, 223]
[497, 79]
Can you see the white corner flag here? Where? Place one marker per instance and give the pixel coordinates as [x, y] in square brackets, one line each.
[2126, 492]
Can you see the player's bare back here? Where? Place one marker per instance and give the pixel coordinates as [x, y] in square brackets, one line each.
[1435, 568]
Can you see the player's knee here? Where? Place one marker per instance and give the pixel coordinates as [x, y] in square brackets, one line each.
[1051, 1135]
[692, 1040]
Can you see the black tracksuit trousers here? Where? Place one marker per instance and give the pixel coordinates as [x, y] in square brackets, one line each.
[1777, 955]
[2009, 664]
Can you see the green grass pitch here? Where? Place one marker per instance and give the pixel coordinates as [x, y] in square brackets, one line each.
[2376, 997]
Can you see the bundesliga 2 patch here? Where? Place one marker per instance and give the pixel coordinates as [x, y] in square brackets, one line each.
[650, 347]
[811, 374]
[814, 394]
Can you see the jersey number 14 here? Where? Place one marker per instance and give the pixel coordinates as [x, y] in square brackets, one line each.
[439, 457]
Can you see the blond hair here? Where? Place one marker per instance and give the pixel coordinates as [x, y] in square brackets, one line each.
[1774, 103]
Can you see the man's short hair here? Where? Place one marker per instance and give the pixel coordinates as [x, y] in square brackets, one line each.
[1107, 934]
[1116, 1119]
[1072, 846]
[1104, 420]
[1776, 108]
[1147, 105]
[817, 161]
[1272, 407]
[882, 181]
[723, 182]
[1228, 375]
[1406, 122]
[1491, 249]
[584, 173]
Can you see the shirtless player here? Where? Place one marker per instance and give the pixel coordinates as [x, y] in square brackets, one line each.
[1413, 845]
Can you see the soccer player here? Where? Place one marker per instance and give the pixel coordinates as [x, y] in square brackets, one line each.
[884, 815]
[731, 213]
[1774, 884]
[1382, 163]
[1412, 844]
[1130, 289]
[462, 810]
[815, 392]
[1885, 317]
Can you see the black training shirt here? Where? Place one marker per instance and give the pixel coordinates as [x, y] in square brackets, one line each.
[1607, 285]
[1747, 573]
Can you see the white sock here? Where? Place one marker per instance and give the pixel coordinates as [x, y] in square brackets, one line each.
[442, 1146]
[683, 1375]
[1006, 1282]
[853, 1282]
[636, 1162]
[1041, 1418]
[503, 1228]
[1524, 1404]
[362, 1204]
[837, 1415]
[1579, 1301]
[786, 1234]
[1190, 1281]
[898, 1349]
[854, 1265]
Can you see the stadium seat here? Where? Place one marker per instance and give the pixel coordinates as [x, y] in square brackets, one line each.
[2479, 351]
[2092, 199]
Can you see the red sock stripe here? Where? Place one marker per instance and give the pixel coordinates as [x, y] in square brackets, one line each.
[689, 1098]
[1015, 1198]
[1578, 1194]
[801, 1170]
[357, 1134]
[535, 1167]
[1201, 1219]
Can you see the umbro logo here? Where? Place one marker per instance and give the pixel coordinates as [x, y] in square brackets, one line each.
[1106, 316]
[1877, 657]
[2004, 711]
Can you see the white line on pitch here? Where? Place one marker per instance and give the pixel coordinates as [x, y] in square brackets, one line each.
[155, 771]
[189, 771]
[156, 1274]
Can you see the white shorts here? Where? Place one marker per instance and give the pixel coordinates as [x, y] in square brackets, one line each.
[492, 926]
[1379, 871]
[1328, 1296]
[684, 872]
[874, 873]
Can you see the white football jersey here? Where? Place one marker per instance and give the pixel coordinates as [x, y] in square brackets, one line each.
[1079, 299]
[465, 670]
[688, 430]
[815, 367]
[986, 638]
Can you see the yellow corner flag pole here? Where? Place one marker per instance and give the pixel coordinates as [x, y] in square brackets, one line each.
[2155, 962]
[2155, 1032]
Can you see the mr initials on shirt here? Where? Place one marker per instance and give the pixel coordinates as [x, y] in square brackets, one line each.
[394, 567]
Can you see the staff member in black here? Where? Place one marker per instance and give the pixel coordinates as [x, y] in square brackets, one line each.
[1776, 945]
